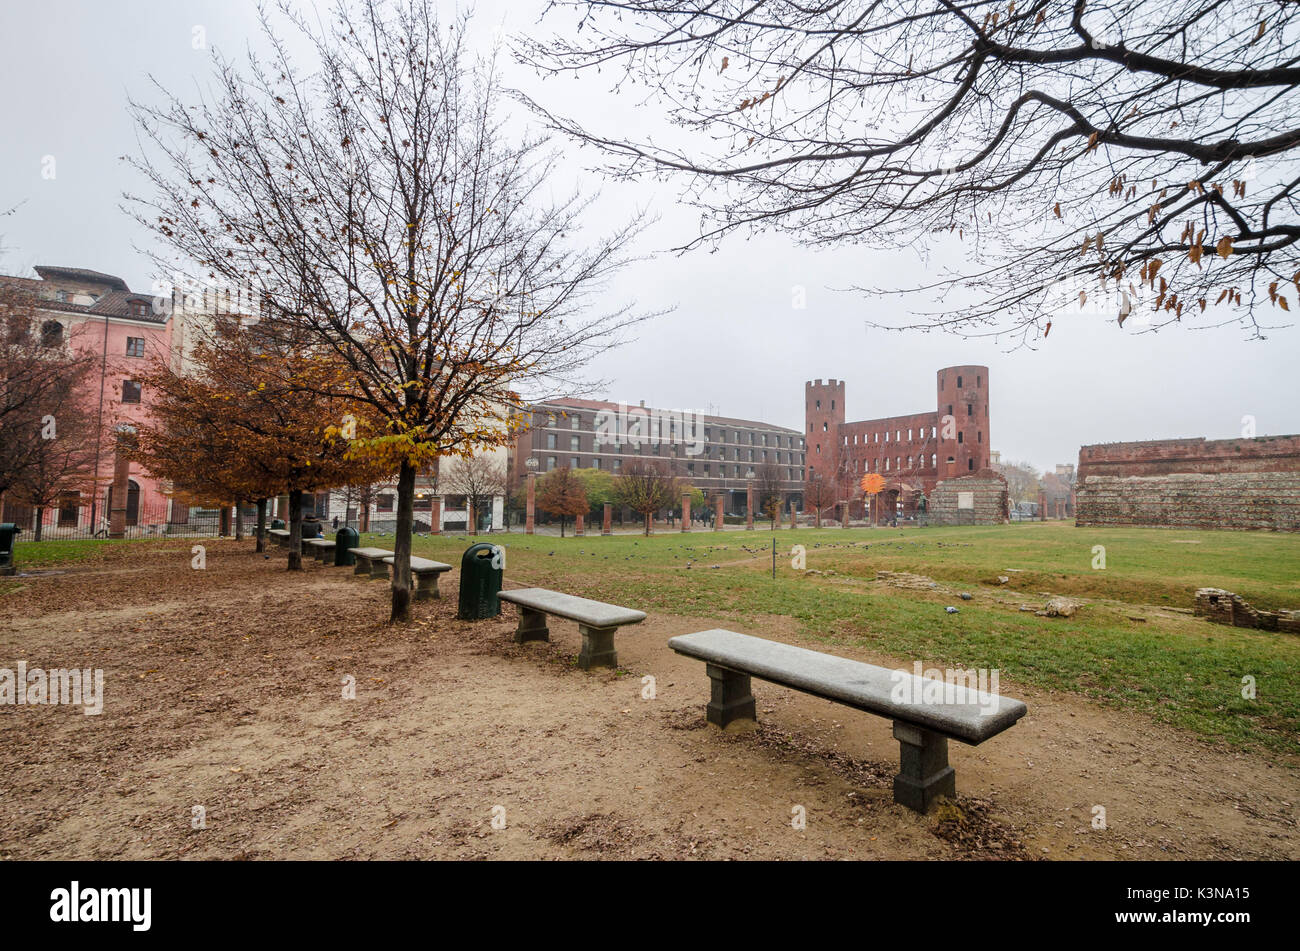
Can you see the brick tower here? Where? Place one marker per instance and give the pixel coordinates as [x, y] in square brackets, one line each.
[823, 415]
[963, 445]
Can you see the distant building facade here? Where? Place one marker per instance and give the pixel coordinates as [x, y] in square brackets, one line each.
[719, 455]
[913, 452]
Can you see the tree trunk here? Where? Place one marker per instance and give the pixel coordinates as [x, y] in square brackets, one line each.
[261, 524]
[401, 611]
[40, 523]
[648, 516]
[295, 530]
[239, 524]
[561, 526]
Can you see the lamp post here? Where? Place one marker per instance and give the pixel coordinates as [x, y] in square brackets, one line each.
[531, 465]
[749, 500]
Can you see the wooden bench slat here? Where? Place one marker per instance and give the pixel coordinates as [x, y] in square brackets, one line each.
[583, 610]
[850, 682]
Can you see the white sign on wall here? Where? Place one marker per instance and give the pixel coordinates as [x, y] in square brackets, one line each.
[965, 500]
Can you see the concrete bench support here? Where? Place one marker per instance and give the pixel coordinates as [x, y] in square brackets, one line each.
[532, 626]
[597, 647]
[731, 697]
[924, 774]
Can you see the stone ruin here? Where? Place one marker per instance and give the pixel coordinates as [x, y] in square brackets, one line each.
[1224, 607]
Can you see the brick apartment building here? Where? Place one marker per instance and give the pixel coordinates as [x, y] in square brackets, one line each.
[719, 455]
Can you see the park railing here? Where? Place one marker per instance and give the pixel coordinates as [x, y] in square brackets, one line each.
[144, 519]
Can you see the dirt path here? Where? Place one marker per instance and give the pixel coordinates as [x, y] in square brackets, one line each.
[224, 690]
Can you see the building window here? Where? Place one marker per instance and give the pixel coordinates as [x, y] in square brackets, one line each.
[574, 445]
[139, 308]
[959, 437]
[970, 410]
[977, 382]
[595, 463]
[135, 346]
[618, 464]
[959, 383]
[819, 404]
[130, 391]
[550, 463]
[979, 436]
[575, 422]
[970, 464]
[573, 462]
[51, 334]
[934, 460]
[61, 296]
[550, 440]
[384, 503]
[951, 460]
[886, 465]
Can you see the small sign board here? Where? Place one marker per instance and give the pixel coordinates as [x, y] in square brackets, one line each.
[965, 500]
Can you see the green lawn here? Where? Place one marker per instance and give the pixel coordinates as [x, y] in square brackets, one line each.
[1171, 666]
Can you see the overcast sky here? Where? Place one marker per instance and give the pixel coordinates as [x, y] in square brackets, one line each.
[734, 344]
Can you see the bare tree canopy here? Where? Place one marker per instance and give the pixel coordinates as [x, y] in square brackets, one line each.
[375, 197]
[1112, 157]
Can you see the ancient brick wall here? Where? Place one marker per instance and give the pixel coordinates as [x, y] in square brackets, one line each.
[1192, 483]
[1166, 456]
[1258, 500]
[986, 490]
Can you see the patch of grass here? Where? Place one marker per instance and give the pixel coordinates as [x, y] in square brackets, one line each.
[1173, 667]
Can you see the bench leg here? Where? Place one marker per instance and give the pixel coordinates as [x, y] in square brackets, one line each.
[532, 626]
[361, 566]
[379, 568]
[597, 647]
[924, 774]
[426, 586]
[731, 697]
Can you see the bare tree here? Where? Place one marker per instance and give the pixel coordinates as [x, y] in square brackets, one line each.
[819, 492]
[39, 380]
[1022, 480]
[646, 486]
[478, 478]
[768, 487]
[374, 198]
[1114, 156]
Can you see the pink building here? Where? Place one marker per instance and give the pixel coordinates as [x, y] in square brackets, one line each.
[98, 314]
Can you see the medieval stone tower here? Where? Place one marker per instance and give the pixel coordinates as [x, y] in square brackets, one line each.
[913, 452]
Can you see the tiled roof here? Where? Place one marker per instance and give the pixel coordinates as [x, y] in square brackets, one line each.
[49, 271]
[116, 304]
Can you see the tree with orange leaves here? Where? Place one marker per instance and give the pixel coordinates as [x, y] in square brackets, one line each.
[244, 425]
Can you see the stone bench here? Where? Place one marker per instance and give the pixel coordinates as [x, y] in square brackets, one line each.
[425, 572]
[320, 548]
[370, 561]
[280, 536]
[597, 621]
[923, 723]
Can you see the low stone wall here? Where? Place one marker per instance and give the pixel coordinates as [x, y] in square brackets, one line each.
[985, 490]
[1239, 501]
[1224, 607]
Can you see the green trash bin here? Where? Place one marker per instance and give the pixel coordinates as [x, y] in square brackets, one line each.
[346, 538]
[8, 534]
[278, 523]
[481, 568]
